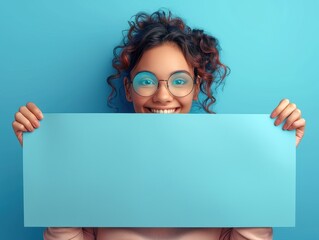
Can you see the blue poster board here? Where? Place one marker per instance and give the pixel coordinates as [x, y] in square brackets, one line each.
[159, 170]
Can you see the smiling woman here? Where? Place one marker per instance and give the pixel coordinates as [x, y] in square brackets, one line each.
[163, 62]
[163, 44]
[165, 65]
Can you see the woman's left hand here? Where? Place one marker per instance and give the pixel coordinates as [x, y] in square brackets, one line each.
[289, 112]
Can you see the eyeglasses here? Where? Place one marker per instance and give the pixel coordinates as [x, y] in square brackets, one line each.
[179, 84]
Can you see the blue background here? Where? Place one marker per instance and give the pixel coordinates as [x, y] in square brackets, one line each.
[58, 54]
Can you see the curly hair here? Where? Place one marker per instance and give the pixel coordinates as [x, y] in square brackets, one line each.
[149, 30]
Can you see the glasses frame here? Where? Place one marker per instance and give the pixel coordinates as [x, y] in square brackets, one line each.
[163, 80]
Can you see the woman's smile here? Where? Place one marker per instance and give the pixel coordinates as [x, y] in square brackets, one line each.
[163, 110]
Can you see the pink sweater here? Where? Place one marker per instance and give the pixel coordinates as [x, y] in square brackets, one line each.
[158, 233]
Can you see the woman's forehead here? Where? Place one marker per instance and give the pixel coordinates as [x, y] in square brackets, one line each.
[163, 60]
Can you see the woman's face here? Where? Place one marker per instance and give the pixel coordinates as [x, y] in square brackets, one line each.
[162, 61]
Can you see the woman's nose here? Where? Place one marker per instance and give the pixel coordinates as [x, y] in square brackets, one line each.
[162, 94]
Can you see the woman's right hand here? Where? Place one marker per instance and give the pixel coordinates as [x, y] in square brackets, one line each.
[26, 120]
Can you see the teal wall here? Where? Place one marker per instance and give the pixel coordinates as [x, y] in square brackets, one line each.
[58, 53]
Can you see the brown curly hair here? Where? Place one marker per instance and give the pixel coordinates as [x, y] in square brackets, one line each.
[149, 30]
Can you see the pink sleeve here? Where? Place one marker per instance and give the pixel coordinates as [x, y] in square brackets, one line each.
[69, 233]
[247, 234]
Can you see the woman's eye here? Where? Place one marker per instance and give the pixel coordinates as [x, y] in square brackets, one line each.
[146, 82]
[179, 82]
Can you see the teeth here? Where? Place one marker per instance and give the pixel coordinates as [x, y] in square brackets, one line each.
[165, 111]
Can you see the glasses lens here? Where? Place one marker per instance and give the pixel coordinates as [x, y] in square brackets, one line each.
[145, 83]
[180, 84]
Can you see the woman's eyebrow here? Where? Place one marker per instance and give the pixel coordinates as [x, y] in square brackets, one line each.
[183, 70]
[170, 74]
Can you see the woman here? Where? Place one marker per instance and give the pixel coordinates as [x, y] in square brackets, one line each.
[164, 65]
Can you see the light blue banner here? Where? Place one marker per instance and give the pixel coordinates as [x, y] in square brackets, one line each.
[159, 170]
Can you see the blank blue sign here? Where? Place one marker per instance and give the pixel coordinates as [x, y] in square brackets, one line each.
[159, 170]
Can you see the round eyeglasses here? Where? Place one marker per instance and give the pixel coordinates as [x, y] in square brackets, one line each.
[179, 84]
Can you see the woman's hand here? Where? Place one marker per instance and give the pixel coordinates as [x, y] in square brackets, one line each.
[26, 120]
[289, 112]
